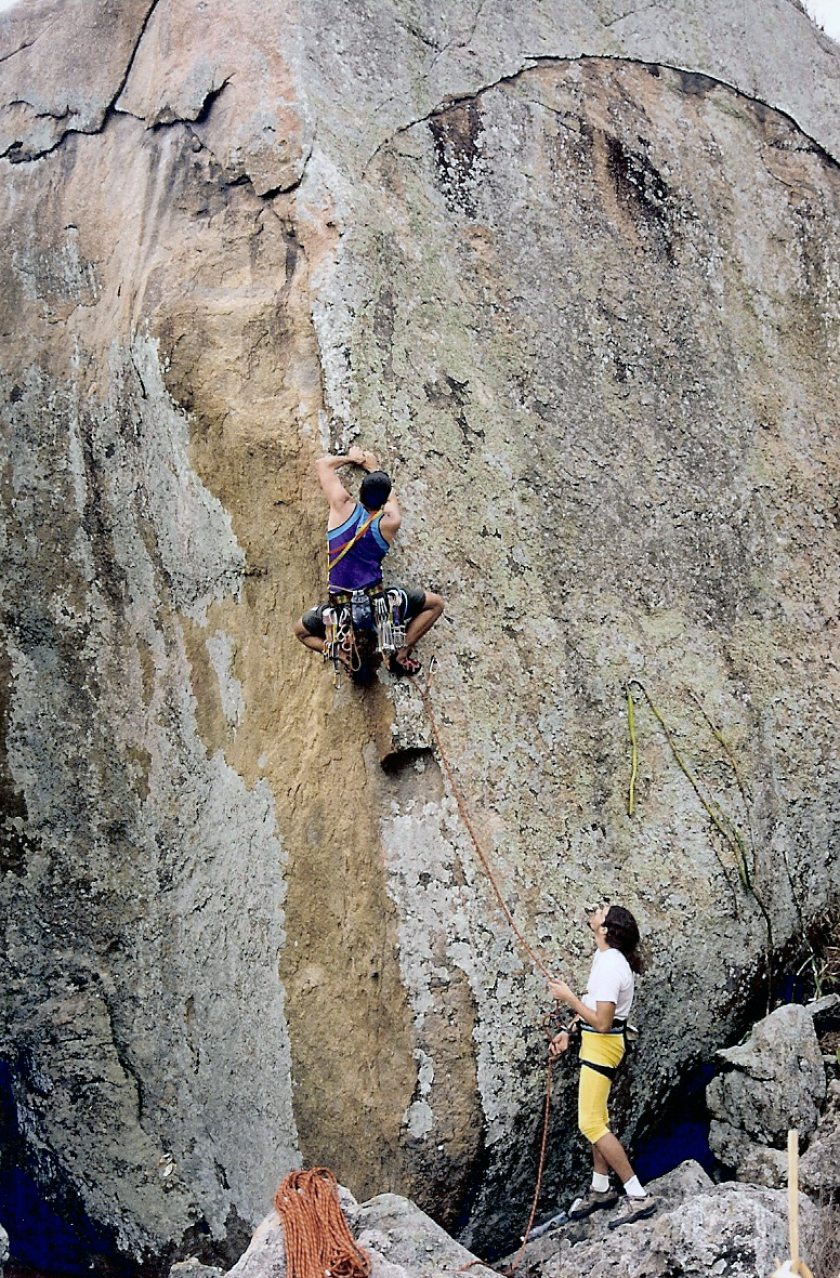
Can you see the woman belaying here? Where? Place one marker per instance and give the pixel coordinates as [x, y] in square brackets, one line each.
[600, 1018]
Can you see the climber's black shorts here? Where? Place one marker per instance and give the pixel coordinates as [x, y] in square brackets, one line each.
[413, 602]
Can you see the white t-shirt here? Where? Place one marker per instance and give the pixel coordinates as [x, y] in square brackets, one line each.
[610, 981]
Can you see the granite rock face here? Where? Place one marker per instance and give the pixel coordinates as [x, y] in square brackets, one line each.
[575, 274]
[773, 1082]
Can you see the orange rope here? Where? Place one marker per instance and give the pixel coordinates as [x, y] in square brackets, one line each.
[456, 794]
[534, 957]
[540, 1169]
[318, 1242]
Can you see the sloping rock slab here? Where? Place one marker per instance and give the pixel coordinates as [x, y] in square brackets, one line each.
[396, 1232]
[682, 1183]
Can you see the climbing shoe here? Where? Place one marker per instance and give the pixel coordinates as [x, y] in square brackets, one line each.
[592, 1200]
[633, 1209]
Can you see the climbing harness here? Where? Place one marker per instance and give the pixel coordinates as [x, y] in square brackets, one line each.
[628, 1033]
[352, 617]
[553, 1024]
[315, 1233]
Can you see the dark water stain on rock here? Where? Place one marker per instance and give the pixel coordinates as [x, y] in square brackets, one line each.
[456, 134]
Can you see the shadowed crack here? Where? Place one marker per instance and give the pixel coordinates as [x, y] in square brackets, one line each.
[27, 44]
[143, 28]
[691, 84]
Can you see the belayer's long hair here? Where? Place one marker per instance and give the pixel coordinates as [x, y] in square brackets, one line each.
[623, 934]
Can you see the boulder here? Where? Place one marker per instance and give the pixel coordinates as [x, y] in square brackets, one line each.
[771, 1083]
[266, 1254]
[752, 1162]
[731, 1229]
[405, 1239]
[400, 1239]
[819, 1166]
[193, 1268]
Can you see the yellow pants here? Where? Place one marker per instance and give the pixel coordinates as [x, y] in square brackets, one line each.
[594, 1088]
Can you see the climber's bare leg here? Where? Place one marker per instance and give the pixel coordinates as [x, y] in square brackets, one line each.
[316, 644]
[423, 622]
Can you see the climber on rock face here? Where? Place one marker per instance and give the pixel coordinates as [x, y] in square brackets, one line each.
[359, 536]
[600, 1019]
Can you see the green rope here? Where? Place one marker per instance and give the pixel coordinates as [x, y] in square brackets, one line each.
[722, 823]
[680, 762]
[634, 753]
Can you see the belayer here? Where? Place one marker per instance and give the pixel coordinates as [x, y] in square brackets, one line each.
[360, 610]
[601, 1020]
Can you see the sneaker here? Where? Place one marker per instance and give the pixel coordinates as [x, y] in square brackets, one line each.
[592, 1200]
[633, 1209]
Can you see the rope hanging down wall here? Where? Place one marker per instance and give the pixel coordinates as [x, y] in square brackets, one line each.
[532, 954]
[482, 856]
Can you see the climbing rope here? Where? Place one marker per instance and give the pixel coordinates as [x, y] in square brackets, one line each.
[424, 691]
[540, 1169]
[482, 856]
[318, 1242]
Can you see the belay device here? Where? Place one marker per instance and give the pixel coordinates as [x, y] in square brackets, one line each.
[351, 621]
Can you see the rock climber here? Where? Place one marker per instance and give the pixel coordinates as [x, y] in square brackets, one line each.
[600, 1019]
[359, 536]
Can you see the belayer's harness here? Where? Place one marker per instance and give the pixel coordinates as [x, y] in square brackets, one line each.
[552, 1025]
[628, 1033]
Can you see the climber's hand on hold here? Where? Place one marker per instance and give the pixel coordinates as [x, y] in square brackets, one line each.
[369, 462]
[356, 455]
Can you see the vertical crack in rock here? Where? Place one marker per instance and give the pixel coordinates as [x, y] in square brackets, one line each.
[132, 57]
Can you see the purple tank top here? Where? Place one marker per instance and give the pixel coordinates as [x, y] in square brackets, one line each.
[362, 565]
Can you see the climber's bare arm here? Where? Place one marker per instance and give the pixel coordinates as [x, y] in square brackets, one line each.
[391, 519]
[327, 468]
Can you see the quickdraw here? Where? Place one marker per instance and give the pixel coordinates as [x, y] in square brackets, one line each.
[354, 613]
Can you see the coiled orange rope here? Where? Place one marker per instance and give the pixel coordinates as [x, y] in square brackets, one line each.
[318, 1242]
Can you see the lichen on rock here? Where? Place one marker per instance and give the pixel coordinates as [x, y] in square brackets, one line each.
[576, 278]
